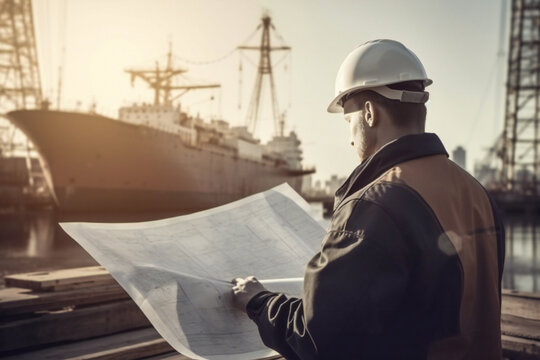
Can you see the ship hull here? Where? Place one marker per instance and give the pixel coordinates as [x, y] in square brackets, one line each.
[95, 163]
[112, 200]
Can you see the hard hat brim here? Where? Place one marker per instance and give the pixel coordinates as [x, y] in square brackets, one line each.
[335, 105]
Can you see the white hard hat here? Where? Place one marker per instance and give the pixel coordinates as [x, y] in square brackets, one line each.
[375, 64]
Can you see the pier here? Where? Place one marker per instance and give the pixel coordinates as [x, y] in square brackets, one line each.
[517, 203]
[83, 313]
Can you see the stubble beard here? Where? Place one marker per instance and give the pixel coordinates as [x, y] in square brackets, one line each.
[368, 140]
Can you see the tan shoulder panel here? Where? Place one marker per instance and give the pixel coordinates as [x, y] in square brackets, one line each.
[464, 212]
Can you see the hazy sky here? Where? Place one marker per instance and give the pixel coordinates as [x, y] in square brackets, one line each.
[457, 41]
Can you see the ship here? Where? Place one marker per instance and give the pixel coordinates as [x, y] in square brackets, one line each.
[155, 156]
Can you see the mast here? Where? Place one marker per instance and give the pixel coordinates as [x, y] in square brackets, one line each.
[161, 81]
[264, 70]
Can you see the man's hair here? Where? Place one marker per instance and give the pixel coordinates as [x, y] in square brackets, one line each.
[403, 114]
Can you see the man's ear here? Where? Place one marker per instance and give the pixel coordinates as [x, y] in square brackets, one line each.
[371, 113]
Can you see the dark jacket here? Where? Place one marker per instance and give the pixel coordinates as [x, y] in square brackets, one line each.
[410, 267]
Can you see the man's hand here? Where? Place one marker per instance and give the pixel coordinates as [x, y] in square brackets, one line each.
[244, 290]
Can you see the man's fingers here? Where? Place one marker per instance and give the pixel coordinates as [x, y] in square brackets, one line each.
[237, 280]
[244, 289]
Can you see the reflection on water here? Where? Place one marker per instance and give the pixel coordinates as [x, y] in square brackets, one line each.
[522, 267]
[34, 241]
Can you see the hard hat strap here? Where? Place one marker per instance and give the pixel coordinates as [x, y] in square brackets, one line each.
[419, 97]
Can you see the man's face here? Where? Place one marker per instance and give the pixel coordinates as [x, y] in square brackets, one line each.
[362, 137]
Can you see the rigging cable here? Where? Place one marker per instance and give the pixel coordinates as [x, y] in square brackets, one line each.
[283, 57]
[62, 36]
[290, 80]
[248, 59]
[213, 61]
[240, 65]
[206, 62]
[475, 119]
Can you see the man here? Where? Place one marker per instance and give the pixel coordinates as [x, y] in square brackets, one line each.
[411, 265]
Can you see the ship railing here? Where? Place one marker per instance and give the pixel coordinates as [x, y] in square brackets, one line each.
[309, 168]
[78, 106]
[187, 135]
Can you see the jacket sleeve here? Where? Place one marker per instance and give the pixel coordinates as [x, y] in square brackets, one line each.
[352, 289]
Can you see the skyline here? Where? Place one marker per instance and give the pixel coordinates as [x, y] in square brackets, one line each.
[457, 42]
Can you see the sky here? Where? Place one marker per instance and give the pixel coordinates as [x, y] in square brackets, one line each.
[94, 41]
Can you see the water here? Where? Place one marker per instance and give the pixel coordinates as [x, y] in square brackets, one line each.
[522, 265]
[34, 242]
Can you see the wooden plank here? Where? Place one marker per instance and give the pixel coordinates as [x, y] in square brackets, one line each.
[61, 279]
[72, 325]
[516, 348]
[522, 294]
[136, 344]
[80, 285]
[520, 327]
[127, 345]
[19, 300]
[177, 356]
[137, 351]
[525, 305]
[167, 356]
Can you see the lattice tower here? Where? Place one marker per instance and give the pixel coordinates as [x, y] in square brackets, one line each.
[520, 151]
[20, 85]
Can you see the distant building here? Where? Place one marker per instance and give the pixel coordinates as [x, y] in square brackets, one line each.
[307, 183]
[486, 174]
[312, 187]
[334, 183]
[459, 156]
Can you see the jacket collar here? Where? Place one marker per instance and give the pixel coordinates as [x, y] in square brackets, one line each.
[405, 148]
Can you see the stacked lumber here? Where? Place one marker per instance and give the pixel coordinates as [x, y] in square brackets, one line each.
[77, 313]
[45, 308]
[135, 344]
[520, 325]
[84, 314]
[59, 280]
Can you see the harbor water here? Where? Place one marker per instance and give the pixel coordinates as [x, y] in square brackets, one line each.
[33, 241]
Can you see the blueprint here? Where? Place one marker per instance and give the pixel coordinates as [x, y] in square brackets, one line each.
[179, 270]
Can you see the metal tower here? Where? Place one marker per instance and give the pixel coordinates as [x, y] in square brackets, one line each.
[264, 69]
[521, 139]
[20, 84]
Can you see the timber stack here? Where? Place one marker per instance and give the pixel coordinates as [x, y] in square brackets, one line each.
[83, 313]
